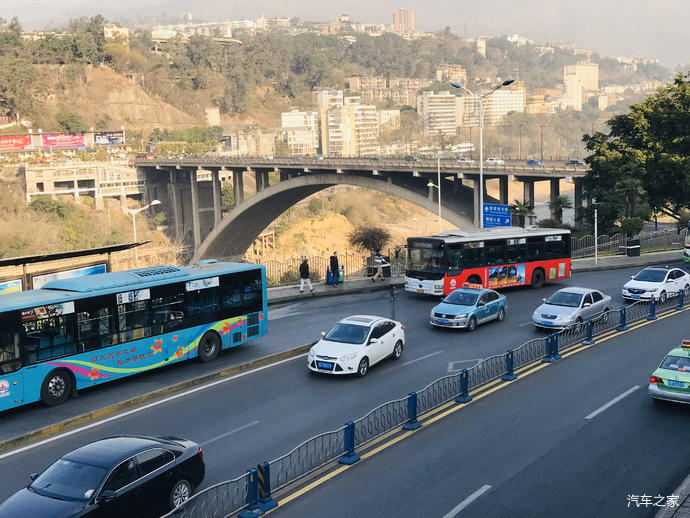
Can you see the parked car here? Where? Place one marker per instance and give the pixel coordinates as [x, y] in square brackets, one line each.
[376, 158]
[118, 476]
[356, 343]
[494, 161]
[575, 163]
[671, 380]
[412, 158]
[468, 307]
[534, 161]
[571, 306]
[656, 283]
[465, 160]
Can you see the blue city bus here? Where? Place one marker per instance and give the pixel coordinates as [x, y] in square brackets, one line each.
[76, 333]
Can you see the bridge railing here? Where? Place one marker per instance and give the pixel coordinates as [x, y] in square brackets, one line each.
[229, 497]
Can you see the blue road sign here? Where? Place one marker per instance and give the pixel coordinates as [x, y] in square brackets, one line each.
[496, 215]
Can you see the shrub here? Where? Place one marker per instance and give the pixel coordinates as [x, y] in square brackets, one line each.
[372, 239]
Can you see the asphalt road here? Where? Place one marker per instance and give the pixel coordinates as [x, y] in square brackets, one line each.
[259, 416]
[551, 444]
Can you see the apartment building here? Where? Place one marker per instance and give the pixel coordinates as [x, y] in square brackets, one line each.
[503, 101]
[403, 21]
[438, 112]
[301, 132]
[451, 73]
[348, 127]
[587, 74]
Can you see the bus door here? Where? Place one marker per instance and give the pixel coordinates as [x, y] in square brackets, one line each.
[11, 372]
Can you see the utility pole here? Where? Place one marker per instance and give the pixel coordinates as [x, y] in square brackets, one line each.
[541, 138]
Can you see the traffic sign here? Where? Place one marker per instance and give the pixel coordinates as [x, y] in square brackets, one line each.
[496, 215]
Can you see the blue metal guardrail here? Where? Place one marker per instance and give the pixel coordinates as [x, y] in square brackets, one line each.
[250, 493]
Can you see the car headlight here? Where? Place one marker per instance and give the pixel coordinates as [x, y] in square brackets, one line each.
[463, 315]
[564, 317]
[311, 353]
[347, 357]
[653, 291]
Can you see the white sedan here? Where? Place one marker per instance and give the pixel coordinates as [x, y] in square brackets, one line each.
[494, 161]
[657, 283]
[356, 343]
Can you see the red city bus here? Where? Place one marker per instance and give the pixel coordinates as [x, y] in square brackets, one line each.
[497, 257]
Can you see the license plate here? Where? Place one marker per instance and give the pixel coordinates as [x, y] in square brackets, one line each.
[443, 321]
[324, 365]
[674, 383]
[546, 323]
[635, 296]
[420, 291]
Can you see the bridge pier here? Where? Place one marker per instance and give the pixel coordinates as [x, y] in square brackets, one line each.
[555, 192]
[217, 196]
[577, 205]
[173, 197]
[528, 191]
[196, 223]
[238, 185]
[503, 190]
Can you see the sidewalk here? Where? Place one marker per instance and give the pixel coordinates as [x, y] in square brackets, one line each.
[290, 293]
[683, 509]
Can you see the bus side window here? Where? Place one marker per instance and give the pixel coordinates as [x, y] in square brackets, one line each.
[495, 252]
[94, 328]
[53, 336]
[535, 250]
[134, 320]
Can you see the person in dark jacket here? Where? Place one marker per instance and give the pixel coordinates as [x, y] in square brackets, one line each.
[304, 275]
[335, 269]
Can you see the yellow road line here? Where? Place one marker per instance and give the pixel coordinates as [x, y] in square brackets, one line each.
[451, 407]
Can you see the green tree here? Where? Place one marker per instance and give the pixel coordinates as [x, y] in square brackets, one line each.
[556, 206]
[372, 239]
[70, 122]
[227, 194]
[522, 209]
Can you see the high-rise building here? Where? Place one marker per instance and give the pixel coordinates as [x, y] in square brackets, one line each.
[573, 93]
[348, 127]
[503, 101]
[587, 73]
[451, 73]
[301, 131]
[437, 112]
[403, 21]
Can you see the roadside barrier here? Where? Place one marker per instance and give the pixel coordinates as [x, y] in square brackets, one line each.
[251, 492]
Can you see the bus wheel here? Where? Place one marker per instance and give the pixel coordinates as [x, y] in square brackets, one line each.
[56, 388]
[209, 347]
[537, 278]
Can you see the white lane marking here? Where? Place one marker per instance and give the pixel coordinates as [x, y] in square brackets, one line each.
[612, 402]
[451, 365]
[226, 434]
[421, 358]
[145, 407]
[467, 501]
[525, 324]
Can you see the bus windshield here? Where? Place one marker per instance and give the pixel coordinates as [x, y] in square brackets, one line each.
[425, 259]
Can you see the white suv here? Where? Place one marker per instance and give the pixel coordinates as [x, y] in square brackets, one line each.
[656, 283]
[494, 161]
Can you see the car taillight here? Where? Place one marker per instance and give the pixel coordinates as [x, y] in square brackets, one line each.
[200, 453]
[655, 379]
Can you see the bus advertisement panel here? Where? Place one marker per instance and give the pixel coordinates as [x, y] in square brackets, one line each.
[495, 258]
[76, 333]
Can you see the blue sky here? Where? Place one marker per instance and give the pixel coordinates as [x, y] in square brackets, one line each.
[645, 28]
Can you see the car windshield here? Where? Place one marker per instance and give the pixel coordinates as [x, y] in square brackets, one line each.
[676, 363]
[461, 298]
[651, 275]
[347, 333]
[69, 480]
[565, 298]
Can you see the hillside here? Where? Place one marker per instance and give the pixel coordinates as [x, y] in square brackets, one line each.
[100, 94]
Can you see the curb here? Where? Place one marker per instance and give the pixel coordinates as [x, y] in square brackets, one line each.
[621, 266]
[682, 492]
[47, 431]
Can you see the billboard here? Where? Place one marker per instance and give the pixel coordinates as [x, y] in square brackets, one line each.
[63, 140]
[38, 281]
[109, 137]
[12, 286]
[14, 142]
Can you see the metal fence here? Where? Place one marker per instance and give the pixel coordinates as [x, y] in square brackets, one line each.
[664, 239]
[229, 497]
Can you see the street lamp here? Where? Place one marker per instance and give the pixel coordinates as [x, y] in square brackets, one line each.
[480, 97]
[133, 213]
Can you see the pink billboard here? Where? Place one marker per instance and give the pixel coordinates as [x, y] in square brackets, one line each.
[14, 142]
[63, 140]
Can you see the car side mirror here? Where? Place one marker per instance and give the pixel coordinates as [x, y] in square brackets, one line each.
[373, 340]
[669, 280]
[33, 476]
[106, 497]
[323, 333]
[481, 303]
[632, 277]
[544, 299]
[586, 305]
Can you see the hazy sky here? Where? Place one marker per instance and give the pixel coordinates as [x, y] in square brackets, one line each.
[644, 28]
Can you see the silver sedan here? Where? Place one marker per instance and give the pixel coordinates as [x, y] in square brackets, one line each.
[570, 306]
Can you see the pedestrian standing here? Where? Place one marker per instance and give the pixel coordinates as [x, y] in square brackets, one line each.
[380, 263]
[304, 275]
[335, 269]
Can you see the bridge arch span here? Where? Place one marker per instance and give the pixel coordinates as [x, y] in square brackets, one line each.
[245, 222]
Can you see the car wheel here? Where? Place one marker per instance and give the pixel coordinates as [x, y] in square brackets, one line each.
[363, 367]
[686, 288]
[578, 325]
[472, 324]
[662, 297]
[209, 347]
[501, 314]
[537, 279]
[605, 315]
[397, 350]
[180, 493]
[56, 388]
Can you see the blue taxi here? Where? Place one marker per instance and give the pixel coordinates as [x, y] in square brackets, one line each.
[469, 306]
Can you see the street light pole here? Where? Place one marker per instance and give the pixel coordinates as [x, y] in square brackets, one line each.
[133, 213]
[481, 98]
[438, 174]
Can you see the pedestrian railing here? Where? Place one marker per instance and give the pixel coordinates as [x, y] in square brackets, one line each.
[667, 238]
[252, 491]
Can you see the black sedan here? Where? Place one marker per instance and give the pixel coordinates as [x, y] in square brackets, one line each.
[114, 477]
